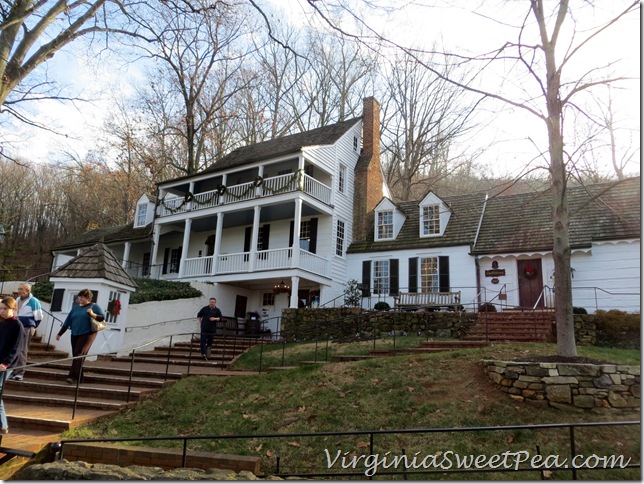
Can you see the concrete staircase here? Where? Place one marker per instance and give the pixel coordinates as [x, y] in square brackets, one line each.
[526, 326]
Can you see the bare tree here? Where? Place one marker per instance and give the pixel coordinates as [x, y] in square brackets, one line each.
[549, 39]
[31, 33]
[423, 117]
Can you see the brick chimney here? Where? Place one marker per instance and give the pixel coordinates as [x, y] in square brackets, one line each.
[368, 175]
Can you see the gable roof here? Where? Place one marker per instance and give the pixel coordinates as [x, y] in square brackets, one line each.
[523, 221]
[97, 262]
[461, 229]
[285, 145]
[119, 233]
[605, 211]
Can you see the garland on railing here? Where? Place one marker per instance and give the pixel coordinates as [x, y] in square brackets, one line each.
[221, 190]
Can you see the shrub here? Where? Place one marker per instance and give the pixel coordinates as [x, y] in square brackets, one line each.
[578, 310]
[382, 306]
[487, 308]
[155, 290]
[352, 294]
[43, 291]
[617, 329]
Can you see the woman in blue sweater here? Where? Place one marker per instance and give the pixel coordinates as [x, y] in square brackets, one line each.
[78, 320]
[11, 337]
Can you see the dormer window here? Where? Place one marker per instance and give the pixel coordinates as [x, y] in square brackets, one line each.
[385, 225]
[141, 214]
[430, 220]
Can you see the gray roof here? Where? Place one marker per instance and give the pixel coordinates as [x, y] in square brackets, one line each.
[285, 145]
[604, 211]
[119, 233]
[520, 222]
[461, 229]
[97, 262]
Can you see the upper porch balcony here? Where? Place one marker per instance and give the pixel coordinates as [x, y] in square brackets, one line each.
[258, 188]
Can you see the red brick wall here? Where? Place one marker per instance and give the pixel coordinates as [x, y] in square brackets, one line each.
[368, 175]
[166, 459]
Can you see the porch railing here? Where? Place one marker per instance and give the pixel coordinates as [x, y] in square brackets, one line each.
[247, 191]
[264, 260]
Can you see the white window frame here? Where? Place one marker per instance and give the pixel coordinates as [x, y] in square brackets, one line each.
[141, 214]
[428, 273]
[430, 223]
[342, 179]
[385, 225]
[381, 270]
[305, 235]
[339, 238]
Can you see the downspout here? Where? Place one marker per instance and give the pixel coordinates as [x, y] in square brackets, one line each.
[476, 257]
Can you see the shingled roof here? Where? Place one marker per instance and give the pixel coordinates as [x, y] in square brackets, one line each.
[605, 211]
[461, 229]
[119, 233]
[520, 222]
[291, 144]
[97, 262]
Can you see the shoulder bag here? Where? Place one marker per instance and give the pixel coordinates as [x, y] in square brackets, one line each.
[96, 325]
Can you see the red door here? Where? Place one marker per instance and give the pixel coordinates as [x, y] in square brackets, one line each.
[530, 282]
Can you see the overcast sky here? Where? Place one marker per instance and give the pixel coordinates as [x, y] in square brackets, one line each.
[464, 28]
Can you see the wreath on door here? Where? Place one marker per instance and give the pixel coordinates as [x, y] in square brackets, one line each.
[529, 271]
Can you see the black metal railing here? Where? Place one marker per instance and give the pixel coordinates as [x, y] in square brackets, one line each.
[284, 468]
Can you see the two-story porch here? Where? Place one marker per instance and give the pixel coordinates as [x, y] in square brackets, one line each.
[244, 233]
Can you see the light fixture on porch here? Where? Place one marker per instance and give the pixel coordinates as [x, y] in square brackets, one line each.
[281, 288]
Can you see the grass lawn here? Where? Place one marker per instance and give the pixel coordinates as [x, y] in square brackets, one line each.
[420, 391]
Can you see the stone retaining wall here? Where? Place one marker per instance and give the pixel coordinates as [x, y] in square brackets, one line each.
[569, 386]
[307, 323]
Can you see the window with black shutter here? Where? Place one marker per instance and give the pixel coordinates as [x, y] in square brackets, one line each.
[57, 300]
[413, 274]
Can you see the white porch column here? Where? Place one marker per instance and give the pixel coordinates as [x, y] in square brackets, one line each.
[191, 189]
[155, 252]
[295, 259]
[186, 244]
[253, 238]
[219, 230]
[126, 254]
[295, 286]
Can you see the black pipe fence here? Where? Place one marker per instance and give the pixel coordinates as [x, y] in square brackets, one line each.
[377, 460]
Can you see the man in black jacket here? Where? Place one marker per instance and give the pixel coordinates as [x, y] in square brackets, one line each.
[208, 317]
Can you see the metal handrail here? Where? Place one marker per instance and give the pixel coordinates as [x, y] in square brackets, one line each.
[371, 434]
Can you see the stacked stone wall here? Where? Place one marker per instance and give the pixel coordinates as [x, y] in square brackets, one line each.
[308, 324]
[569, 386]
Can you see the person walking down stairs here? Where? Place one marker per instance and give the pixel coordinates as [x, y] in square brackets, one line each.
[78, 320]
[208, 317]
[11, 340]
[30, 315]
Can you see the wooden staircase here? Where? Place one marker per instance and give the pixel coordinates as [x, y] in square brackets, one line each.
[516, 325]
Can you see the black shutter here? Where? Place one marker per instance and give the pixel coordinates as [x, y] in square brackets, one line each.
[366, 278]
[443, 274]
[166, 259]
[247, 235]
[290, 234]
[57, 300]
[314, 235]
[94, 296]
[266, 229]
[393, 277]
[413, 274]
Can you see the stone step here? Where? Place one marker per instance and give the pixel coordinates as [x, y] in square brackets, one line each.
[48, 399]
[338, 358]
[48, 417]
[196, 361]
[59, 375]
[88, 390]
[454, 344]
[101, 367]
